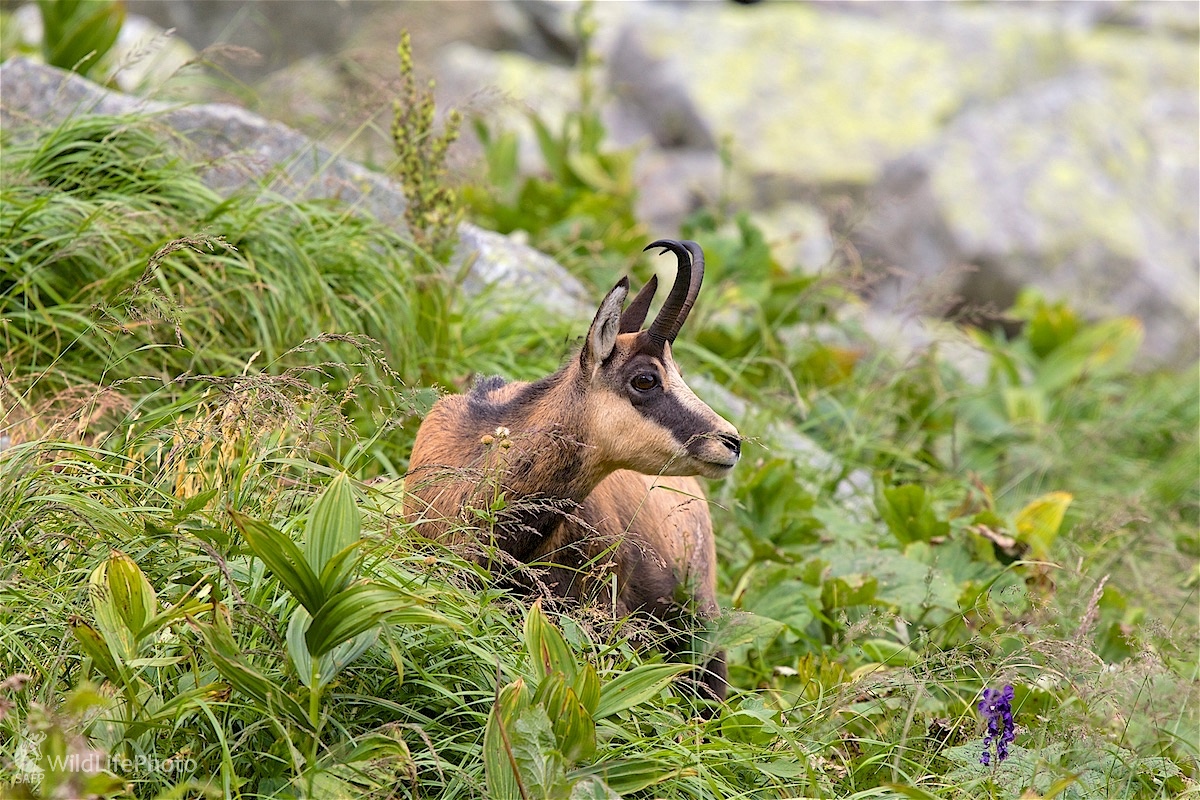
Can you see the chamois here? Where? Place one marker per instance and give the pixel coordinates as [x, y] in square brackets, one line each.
[594, 463]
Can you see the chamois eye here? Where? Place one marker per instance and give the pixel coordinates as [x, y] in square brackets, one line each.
[644, 382]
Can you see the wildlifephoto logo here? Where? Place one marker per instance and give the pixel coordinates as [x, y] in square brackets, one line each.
[28, 763]
[26, 758]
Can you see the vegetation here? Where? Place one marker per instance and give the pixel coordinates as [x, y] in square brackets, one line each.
[206, 588]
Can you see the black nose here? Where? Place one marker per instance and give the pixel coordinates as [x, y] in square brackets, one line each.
[732, 442]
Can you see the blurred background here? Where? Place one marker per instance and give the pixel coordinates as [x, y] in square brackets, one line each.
[947, 155]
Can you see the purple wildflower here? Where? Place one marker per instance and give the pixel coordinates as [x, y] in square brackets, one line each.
[996, 708]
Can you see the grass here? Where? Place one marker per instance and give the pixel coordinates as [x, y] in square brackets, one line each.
[207, 400]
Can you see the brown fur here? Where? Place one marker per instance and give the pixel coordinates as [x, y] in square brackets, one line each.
[581, 460]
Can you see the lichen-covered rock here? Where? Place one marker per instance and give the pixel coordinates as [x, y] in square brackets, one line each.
[815, 97]
[240, 147]
[1051, 189]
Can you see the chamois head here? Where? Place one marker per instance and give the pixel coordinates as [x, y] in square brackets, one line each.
[642, 416]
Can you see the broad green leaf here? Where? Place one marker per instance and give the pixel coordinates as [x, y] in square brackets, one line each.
[123, 602]
[587, 688]
[1038, 523]
[845, 591]
[361, 607]
[331, 663]
[590, 171]
[547, 648]
[1025, 405]
[552, 153]
[334, 525]
[751, 726]
[338, 570]
[499, 762]
[231, 663]
[535, 750]
[636, 686]
[626, 776]
[94, 645]
[1050, 325]
[77, 35]
[593, 788]
[1103, 349]
[909, 514]
[889, 653]
[574, 729]
[284, 559]
[195, 503]
[550, 692]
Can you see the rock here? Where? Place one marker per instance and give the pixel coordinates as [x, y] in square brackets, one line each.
[1049, 188]
[671, 184]
[652, 89]
[278, 32]
[786, 82]
[799, 236]
[241, 148]
[518, 273]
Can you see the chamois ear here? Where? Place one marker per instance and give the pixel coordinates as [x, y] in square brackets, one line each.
[602, 336]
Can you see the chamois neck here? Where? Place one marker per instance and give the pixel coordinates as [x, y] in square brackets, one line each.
[547, 455]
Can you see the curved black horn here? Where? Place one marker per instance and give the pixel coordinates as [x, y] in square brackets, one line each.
[635, 314]
[683, 294]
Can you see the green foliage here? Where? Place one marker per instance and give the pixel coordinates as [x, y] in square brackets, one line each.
[432, 212]
[78, 34]
[585, 199]
[180, 502]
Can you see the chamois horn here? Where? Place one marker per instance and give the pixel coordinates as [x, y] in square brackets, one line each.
[683, 293]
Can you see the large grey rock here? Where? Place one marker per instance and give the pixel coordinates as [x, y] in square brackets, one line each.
[240, 148]
[1051, 188]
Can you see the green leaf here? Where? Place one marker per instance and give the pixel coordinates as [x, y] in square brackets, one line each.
[547, 649]
[501, 772]
[534, 749]
[844, 591]
[361, 607]
[1101, 350]
[593, 788]
[587, 688]
[77, 35]
[123, 602]
[889, 653]
[195, 503]
[909, 514]
[1039, 522]
[911, 791]
[626, 776]
[334, 528]
[338, 571]
[553, 153]
[284, 559]
[574, 729]
[636, 686]
[750, 726]
[329, 664]
[97, 648]
[233, 666]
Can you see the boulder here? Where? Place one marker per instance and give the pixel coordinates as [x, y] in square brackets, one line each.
[1050, 188]
[240, 148]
